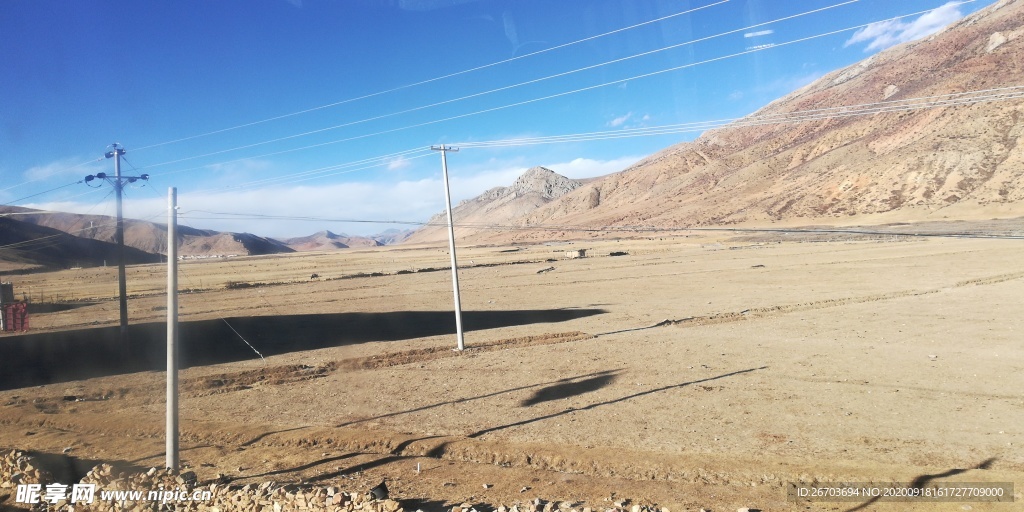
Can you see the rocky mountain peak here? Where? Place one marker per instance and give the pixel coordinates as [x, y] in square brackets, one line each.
[543, 181]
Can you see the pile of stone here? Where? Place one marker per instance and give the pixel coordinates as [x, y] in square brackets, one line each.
[17, 467]
[164, 489]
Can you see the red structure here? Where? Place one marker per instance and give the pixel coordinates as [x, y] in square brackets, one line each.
[15, 316]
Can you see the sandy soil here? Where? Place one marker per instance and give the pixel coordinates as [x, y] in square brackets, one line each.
[692, 372]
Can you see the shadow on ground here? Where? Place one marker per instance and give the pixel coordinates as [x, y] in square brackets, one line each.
[69, 469]
[921, 481]
[44, 358]
[568, 389]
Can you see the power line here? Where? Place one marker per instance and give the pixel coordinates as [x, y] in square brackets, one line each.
[28, 243]
[538, 99]
[950, 100]
[51, 173]
[491, 91]
[325, 171]
[891, 106]
[423, 82]
[43, 192]
[589, 229]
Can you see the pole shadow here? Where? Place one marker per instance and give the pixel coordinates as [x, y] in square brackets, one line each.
[478, 397]
[570, 388]
[44, 358]
[480, 433]
[922, 480]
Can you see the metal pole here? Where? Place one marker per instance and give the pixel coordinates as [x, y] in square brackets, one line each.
[172, 329]
[122, 285]
[451, 247]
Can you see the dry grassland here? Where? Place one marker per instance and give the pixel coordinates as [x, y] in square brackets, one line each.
[692, 372]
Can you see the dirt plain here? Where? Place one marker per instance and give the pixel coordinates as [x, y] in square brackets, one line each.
[696, 371]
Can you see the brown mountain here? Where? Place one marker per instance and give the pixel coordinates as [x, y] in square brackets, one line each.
[326, 241]
[536, 187]
[25, 244]
[908, 164]
[151, 237]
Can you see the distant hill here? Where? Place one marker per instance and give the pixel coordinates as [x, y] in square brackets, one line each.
[536, 187]
[152, 237]
[326, 240]
[962, 162]
[25, 243]
[148, 237]
[393, 236]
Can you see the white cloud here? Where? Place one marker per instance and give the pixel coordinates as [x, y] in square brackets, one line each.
[580, 168]
[884, 34]
[399, 163]
[619, 121]
[759, 33]
[66, 168]
[401, 200]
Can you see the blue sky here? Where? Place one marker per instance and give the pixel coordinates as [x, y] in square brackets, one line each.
[272, 96]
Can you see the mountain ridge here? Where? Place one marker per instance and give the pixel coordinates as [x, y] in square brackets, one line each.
[957, 162]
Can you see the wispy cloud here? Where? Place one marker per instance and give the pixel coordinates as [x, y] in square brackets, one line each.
[619, 121]
[759, 33]
[579, 168]
[64, 168]
[630, 120]
[399, 163]
[885, 34]
[388, 200]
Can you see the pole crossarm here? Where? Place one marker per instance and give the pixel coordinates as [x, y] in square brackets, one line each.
[118, 182]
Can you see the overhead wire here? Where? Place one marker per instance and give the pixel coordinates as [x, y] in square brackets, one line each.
[936, 101]
[953, 99]
[407, 154]
[31, 242]
[901, 105]
[435, 79]
[312, 175]
[905, 104]
[575, 228]
[491, 91]
[51, 173]
[537, 99]
[44, 192]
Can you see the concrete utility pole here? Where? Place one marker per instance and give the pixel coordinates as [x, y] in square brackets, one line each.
[172, 328]
[118, 182]
[451, 244]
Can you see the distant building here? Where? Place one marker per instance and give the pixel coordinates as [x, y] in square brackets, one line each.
[578, 253]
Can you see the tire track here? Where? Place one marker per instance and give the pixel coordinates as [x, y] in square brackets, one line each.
[772, 311]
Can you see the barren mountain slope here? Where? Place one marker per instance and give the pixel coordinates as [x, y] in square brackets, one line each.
[151, 237]
[326, 241]
[500, 205]
[958, 162]
[29, 244]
